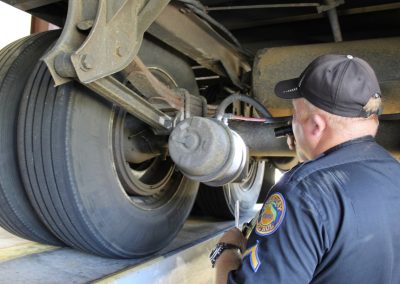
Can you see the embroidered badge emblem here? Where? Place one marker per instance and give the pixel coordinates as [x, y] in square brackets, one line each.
[272, 215]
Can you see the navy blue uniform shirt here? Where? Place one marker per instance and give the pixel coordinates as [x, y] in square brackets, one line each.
[335, 219]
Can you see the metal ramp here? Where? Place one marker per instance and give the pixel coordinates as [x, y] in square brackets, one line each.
[185, 260]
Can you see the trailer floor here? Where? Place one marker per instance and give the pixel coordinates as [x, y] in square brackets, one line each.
[185, 260]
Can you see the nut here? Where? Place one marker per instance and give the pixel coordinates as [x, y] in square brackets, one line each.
[87, 62]
[122, 51]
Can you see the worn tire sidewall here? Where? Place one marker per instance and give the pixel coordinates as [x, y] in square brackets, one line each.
[105, 205]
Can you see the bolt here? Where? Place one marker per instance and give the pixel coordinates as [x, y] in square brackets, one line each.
[63, 65]
[188, 141]
[121, 51]
[168, 124]
[87, 62]
[85, 25]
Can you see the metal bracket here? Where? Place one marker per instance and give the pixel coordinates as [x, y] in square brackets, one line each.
[193, 37]
[329, 5]
[330, 8]
[116, 37]
[58, 59]
[148, 85]
[116, 32]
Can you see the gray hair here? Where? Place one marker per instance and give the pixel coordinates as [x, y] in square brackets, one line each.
[340, 122]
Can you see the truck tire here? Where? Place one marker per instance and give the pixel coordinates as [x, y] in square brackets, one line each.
[17, 62]
[268, 182]
[78, 180]
[219, 202]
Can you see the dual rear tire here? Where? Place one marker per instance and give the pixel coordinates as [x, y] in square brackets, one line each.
[61, 177]
[17, 61]
[64, 179]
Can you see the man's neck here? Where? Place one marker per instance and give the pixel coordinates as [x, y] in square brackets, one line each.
[333, 138]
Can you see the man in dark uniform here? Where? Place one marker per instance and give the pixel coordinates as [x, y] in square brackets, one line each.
[335, 218]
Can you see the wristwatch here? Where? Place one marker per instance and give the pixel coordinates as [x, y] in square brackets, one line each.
[219, 249]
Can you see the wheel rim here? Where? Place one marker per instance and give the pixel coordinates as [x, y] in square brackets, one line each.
[234, 191]
[248, 182]
[148, 184]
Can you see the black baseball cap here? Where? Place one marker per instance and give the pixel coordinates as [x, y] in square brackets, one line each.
[338, 84]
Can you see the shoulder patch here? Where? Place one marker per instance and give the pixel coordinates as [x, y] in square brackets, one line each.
[272, 215]
[252, 252]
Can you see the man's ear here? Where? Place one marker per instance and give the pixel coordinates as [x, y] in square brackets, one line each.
[319, 124]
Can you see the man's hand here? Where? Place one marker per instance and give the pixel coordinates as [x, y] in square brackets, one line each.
[234, 236]
[291, 142]
[230, 259]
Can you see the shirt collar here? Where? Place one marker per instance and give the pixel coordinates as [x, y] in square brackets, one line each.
[362, 139]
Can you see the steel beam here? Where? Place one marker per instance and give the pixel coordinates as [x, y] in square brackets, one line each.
[333, 19]
[114, 91]
[186, 32]
[263, 6]
[305, 17]
[27, 5]
[116, 32]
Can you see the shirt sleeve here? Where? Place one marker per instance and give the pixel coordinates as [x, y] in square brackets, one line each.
[288, 241]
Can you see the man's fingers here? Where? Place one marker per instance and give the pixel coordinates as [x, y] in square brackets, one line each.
[234, 236]
[291, 142]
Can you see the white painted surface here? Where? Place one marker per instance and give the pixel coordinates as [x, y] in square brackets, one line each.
[278, 175]
[14, 24]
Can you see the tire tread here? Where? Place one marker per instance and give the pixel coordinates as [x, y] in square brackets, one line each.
[15, 207]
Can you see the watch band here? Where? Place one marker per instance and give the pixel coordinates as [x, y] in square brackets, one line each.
[219, 249]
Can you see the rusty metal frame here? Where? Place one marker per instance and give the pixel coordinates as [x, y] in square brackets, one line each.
[116, 31]
[58, 59]
[186, 32]
[100, 37]
[118, 93]
[116, 37]
[149, 86]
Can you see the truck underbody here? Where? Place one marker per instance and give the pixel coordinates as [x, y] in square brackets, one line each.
[133, 112]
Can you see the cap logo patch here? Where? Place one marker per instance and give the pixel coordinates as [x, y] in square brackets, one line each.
[272, 215]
